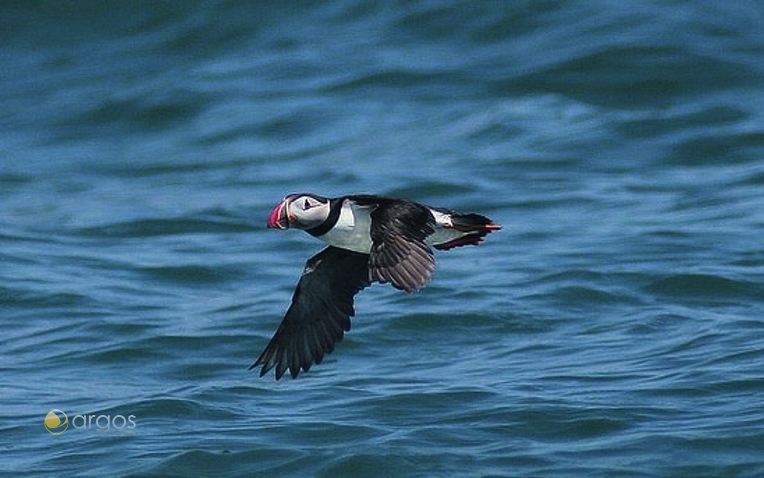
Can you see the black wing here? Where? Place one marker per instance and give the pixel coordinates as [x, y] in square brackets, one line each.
[320, 312]
[399, 254]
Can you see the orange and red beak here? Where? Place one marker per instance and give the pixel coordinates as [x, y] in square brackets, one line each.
[279, 217]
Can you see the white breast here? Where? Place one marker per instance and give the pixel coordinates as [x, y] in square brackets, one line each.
[352, 230]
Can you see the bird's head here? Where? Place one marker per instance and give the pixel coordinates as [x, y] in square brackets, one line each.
[302, 211]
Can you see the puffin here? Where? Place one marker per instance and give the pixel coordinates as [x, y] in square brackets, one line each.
[370, 239]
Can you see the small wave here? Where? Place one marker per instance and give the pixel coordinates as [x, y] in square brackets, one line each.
[704, 286]
[150, 227]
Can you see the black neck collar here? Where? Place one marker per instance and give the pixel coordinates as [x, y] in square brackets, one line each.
[335, 207]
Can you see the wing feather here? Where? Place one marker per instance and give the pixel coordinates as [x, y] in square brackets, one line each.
[320, 312]
[399, 254]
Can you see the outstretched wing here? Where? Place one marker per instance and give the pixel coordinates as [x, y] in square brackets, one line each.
[320, 312]
[399, 254]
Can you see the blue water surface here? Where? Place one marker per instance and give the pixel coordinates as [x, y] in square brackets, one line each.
[614, 327]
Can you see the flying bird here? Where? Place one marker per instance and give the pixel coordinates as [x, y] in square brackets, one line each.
[371, 239]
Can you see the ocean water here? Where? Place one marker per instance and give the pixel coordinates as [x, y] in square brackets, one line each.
[614, 327]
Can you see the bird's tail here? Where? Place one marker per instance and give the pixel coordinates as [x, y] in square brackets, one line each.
[474, 228]
[473, 223]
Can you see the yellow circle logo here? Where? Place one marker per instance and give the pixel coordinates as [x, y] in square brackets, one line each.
[56, 422]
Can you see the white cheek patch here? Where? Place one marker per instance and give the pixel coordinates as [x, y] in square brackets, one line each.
[307, 218]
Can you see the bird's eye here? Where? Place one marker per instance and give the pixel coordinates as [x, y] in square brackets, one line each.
[306, 206]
